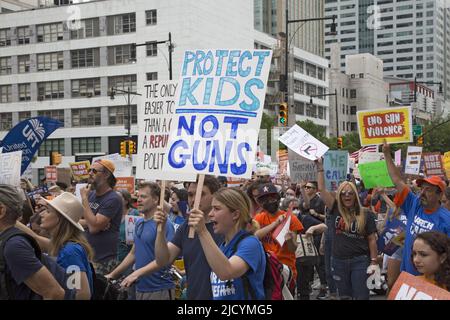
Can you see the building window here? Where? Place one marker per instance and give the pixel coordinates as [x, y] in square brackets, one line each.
[352, 93]
[320, 74]
[352, 109]
[5, 121]
[23, 35]
[86, 88]
[50, 90]
[50, 32]
[121, 54]
[322, 113]
[151, 17]
[54, 114]
[50, 61]
[119, 115]
[124, 23]
[353, 126]
[311, 70]
[299, 87]
[85, 58]
[310, 89]
[24, 115]
[361, 75]
[5, 37]
[152, 50]
[5, 65]
[298, 66]
[83, 145]
[152, 76]
[24, 63]
[5, 93]
[89, 28]
[311, 111]
[87, 117]
[51, 145]
[123, 82]
[24, 92]
[299, 108]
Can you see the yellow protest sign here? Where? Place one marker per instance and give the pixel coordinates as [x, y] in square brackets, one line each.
[392, 124]
[80, 170]
[446, 161]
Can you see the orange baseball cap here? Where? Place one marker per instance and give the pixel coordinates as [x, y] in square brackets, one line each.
[434, 180]
[109, 165]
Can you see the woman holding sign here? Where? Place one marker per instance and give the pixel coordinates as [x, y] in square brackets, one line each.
[354, 249]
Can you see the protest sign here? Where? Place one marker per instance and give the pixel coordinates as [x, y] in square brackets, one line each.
[155, 120]
[10, 166]
[51, 173]
[304, 144]
[366, 157]
[446, 161]
[433, 164]
[335, 163]
[130, 226]
[123, 166]
[80, 170]
[301, 169]
[392, 124]
[413, 156]
[409, 287]
[271, 168]
[375, 174]
[218, 112]
[282, 156]
[125, 183]
[280, 232]
[398, 157]
[392, 237]
[78, 187]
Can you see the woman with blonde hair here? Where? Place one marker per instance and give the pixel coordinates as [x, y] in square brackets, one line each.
[238, 264]
[67, 241]
[354, 248]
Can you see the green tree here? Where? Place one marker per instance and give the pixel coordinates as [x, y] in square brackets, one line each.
[436, 136]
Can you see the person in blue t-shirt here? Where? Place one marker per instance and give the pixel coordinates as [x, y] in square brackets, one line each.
[240, 255]
[179, 204]
[153, 282]
[423, 212]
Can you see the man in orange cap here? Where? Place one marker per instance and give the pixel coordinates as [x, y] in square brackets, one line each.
[102, 214]
[424, 212]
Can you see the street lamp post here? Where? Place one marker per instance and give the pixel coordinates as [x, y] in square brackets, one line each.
[129, 93]
[335, 94]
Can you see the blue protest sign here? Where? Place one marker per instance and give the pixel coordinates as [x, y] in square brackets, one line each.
[335, 165]
[389, 240]
[218, 112]
[28, 136]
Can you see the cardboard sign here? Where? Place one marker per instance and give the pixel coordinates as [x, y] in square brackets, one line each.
[413, 156]
[304, 144]
[367, 157]
[392, 124]
[80, 170]
[433, 164]
[10, 166]
[51, 173]
[375, 174]
[125, 183]
[446, 161]
[409, 287]
[301, 169]
[155, 119]
[335, 163]
[282, 156]
[130, 227]
[218, 112]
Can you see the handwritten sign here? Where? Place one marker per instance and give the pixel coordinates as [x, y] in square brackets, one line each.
[392, 124]
[10, 168]
[125, 183]
[301, 169]
[123, 167]
[375, 174]
[409, 287]
[80, 170]
[335, 163]
[218, 112]
[433, 164]
[413, 156]
[366, 157]
[304, 144]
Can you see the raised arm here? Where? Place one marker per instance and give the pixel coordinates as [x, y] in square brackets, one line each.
[327, 196]
[392, 169]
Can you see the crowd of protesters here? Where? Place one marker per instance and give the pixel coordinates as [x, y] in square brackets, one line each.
[53, 235]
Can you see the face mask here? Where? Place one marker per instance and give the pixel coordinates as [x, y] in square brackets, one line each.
[271, 207]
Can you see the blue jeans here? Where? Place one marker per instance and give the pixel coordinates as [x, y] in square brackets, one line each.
[328, 261]
[350, 276]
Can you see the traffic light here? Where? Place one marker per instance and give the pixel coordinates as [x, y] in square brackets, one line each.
[131, 147]
[339, 142]
[420, 140]
[283, 114]
[123, 149]
[55, 158]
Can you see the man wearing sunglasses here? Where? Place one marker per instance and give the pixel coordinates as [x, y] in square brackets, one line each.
[102, 215]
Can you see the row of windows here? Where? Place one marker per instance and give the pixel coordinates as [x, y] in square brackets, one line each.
[309, 69]
[87, 28]
[310, 110]
[86, 117]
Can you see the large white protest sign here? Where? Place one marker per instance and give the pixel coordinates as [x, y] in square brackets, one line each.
[10, 165]
[155, 119]
[413, 157]
[301, 169]
[218, 112]
[123, 166]
[304, 144]
[78, 188]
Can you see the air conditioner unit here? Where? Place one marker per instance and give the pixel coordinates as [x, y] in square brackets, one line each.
[40, 98]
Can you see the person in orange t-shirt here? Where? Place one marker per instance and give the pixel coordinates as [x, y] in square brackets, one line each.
[269, 219]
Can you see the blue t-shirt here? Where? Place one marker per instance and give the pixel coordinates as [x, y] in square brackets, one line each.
[144, 242]
[105, 242]
[73, 255]
[197, 267]
[251, 251]
[418, 222]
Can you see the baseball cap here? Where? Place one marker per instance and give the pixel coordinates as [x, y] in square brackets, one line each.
[109, 165]
[10, 197]
[267, 189]
[434, 180]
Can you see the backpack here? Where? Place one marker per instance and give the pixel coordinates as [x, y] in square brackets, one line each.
[105, 289]
[273, 278]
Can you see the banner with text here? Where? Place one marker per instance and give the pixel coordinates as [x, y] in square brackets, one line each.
[392, 124]
[218, 112]
[301, 169]
[413, 156]
[80, 170]
[125, 183]
[433, 164]
[335, 167]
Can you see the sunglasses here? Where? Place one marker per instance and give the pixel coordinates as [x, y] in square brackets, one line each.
[347, 193]
[95, 171]
[309, 187]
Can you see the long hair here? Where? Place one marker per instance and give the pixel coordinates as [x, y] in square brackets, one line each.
[357, 213]
[67, 232]
[127, 197]
[439, 243]
[236, 199]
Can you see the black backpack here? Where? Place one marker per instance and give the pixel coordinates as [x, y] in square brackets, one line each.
[105, 289]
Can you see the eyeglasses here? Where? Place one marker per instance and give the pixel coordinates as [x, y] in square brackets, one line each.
[94, 170]
[347, 193]
[309, 187]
